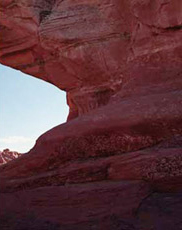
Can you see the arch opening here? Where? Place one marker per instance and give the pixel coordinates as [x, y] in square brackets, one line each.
[29, 107]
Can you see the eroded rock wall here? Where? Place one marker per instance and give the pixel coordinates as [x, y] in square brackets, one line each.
[94, 49]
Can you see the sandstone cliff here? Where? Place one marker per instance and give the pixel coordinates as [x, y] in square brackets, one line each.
[116, 164]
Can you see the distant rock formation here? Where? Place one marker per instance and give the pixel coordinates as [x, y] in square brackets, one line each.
[117, 163]
[6, 155]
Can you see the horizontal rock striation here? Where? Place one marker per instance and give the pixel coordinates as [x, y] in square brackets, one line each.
[117, 163]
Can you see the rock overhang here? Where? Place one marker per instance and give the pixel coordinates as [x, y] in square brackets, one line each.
[120, 64]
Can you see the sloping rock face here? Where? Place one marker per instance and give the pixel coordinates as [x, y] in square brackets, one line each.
[6, 155]
[117, 163]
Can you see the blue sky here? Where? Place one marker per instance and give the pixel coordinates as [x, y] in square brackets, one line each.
[28, 108]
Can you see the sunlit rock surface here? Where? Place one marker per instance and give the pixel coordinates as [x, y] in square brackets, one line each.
[6, 155]
[116, 164]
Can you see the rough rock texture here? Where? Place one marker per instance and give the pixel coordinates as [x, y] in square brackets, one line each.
[93, 49]
[117, 163]
[6, 155]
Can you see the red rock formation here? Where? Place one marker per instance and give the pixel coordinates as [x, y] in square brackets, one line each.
[6, 155]
[117, 163]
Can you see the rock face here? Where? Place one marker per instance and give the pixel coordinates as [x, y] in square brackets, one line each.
[6, 155]
[93, 49]
[116, 164]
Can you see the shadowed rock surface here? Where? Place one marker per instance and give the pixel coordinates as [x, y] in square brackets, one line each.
[116, 164]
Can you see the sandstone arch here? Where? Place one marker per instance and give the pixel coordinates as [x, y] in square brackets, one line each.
[120, 64]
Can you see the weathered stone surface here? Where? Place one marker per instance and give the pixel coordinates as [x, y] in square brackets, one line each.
[6, 155]
[115, 129]
[93, 49]
[160, 168]
[160, 211]
[83, 206]
[117, 163]
[117, 205]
